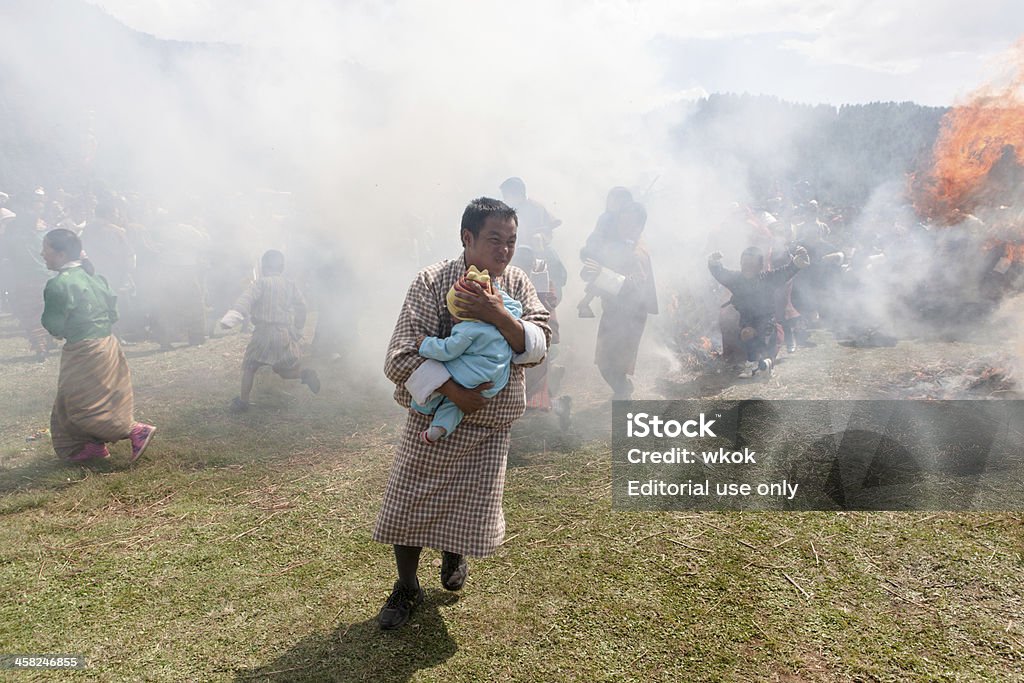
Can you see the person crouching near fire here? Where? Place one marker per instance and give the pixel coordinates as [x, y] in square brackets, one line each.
[278, 313]
[94, 403]
[754, 294]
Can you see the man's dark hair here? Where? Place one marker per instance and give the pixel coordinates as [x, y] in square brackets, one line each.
[480, 209]
[68, 243]
[637, 210]
[272, 262]
[753, 252]
[65, 242]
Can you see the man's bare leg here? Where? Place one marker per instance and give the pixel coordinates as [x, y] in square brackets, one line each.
[308, 376]
[248, 377]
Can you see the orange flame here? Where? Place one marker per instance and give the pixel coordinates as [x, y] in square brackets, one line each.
[1012, 251]
[1015, 252]
[974, 137]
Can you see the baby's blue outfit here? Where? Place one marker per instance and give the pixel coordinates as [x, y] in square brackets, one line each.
[475, 353]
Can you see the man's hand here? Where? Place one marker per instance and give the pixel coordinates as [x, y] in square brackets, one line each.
[474, 301]
[486, 304]
[801, 258]
[231, 318]
[591, 269]
[715, 259]
[468, 400]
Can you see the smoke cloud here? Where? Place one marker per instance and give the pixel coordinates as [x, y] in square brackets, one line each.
[364, 128]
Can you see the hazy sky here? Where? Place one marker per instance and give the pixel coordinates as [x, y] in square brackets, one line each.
[928, 51]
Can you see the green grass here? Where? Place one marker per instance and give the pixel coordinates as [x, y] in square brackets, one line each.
[239, 549]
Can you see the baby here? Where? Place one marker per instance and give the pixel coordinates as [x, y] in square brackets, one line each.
[474, 354]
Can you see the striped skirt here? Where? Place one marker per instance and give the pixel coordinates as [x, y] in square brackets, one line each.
[94, 396]
[274, 345]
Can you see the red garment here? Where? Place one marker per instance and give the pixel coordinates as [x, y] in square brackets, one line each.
[538, 396]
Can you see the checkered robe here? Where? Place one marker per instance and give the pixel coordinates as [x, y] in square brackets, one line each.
[447, 495]
[278, 313]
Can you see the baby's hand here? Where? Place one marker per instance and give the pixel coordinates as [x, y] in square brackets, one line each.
[419, 340]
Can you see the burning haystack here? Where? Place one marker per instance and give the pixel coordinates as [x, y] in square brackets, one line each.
[972, 193]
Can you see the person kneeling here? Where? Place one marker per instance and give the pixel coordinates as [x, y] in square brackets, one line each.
[754, 292]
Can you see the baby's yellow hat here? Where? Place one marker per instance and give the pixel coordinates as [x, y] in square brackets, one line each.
[481, 276]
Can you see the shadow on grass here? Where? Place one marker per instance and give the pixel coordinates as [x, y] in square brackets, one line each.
[130, 352]
[538, 433]
[362, 652]
[48, 472]
[27, 360]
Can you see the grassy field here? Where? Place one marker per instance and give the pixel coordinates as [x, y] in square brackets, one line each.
[239, 548]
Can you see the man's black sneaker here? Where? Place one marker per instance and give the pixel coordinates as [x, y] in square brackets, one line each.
[454, 570]
[399, 606]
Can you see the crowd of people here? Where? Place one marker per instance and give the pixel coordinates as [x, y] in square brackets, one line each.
[781, 267]
[474, 347]
[786, 262]
[173, 279]
[798, 263]
[93, 273]
[868, 278]
[151, 262]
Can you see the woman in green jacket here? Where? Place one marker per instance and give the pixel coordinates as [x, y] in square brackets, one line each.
[94, 401]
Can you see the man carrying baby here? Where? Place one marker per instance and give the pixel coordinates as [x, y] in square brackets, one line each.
[447, 494]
